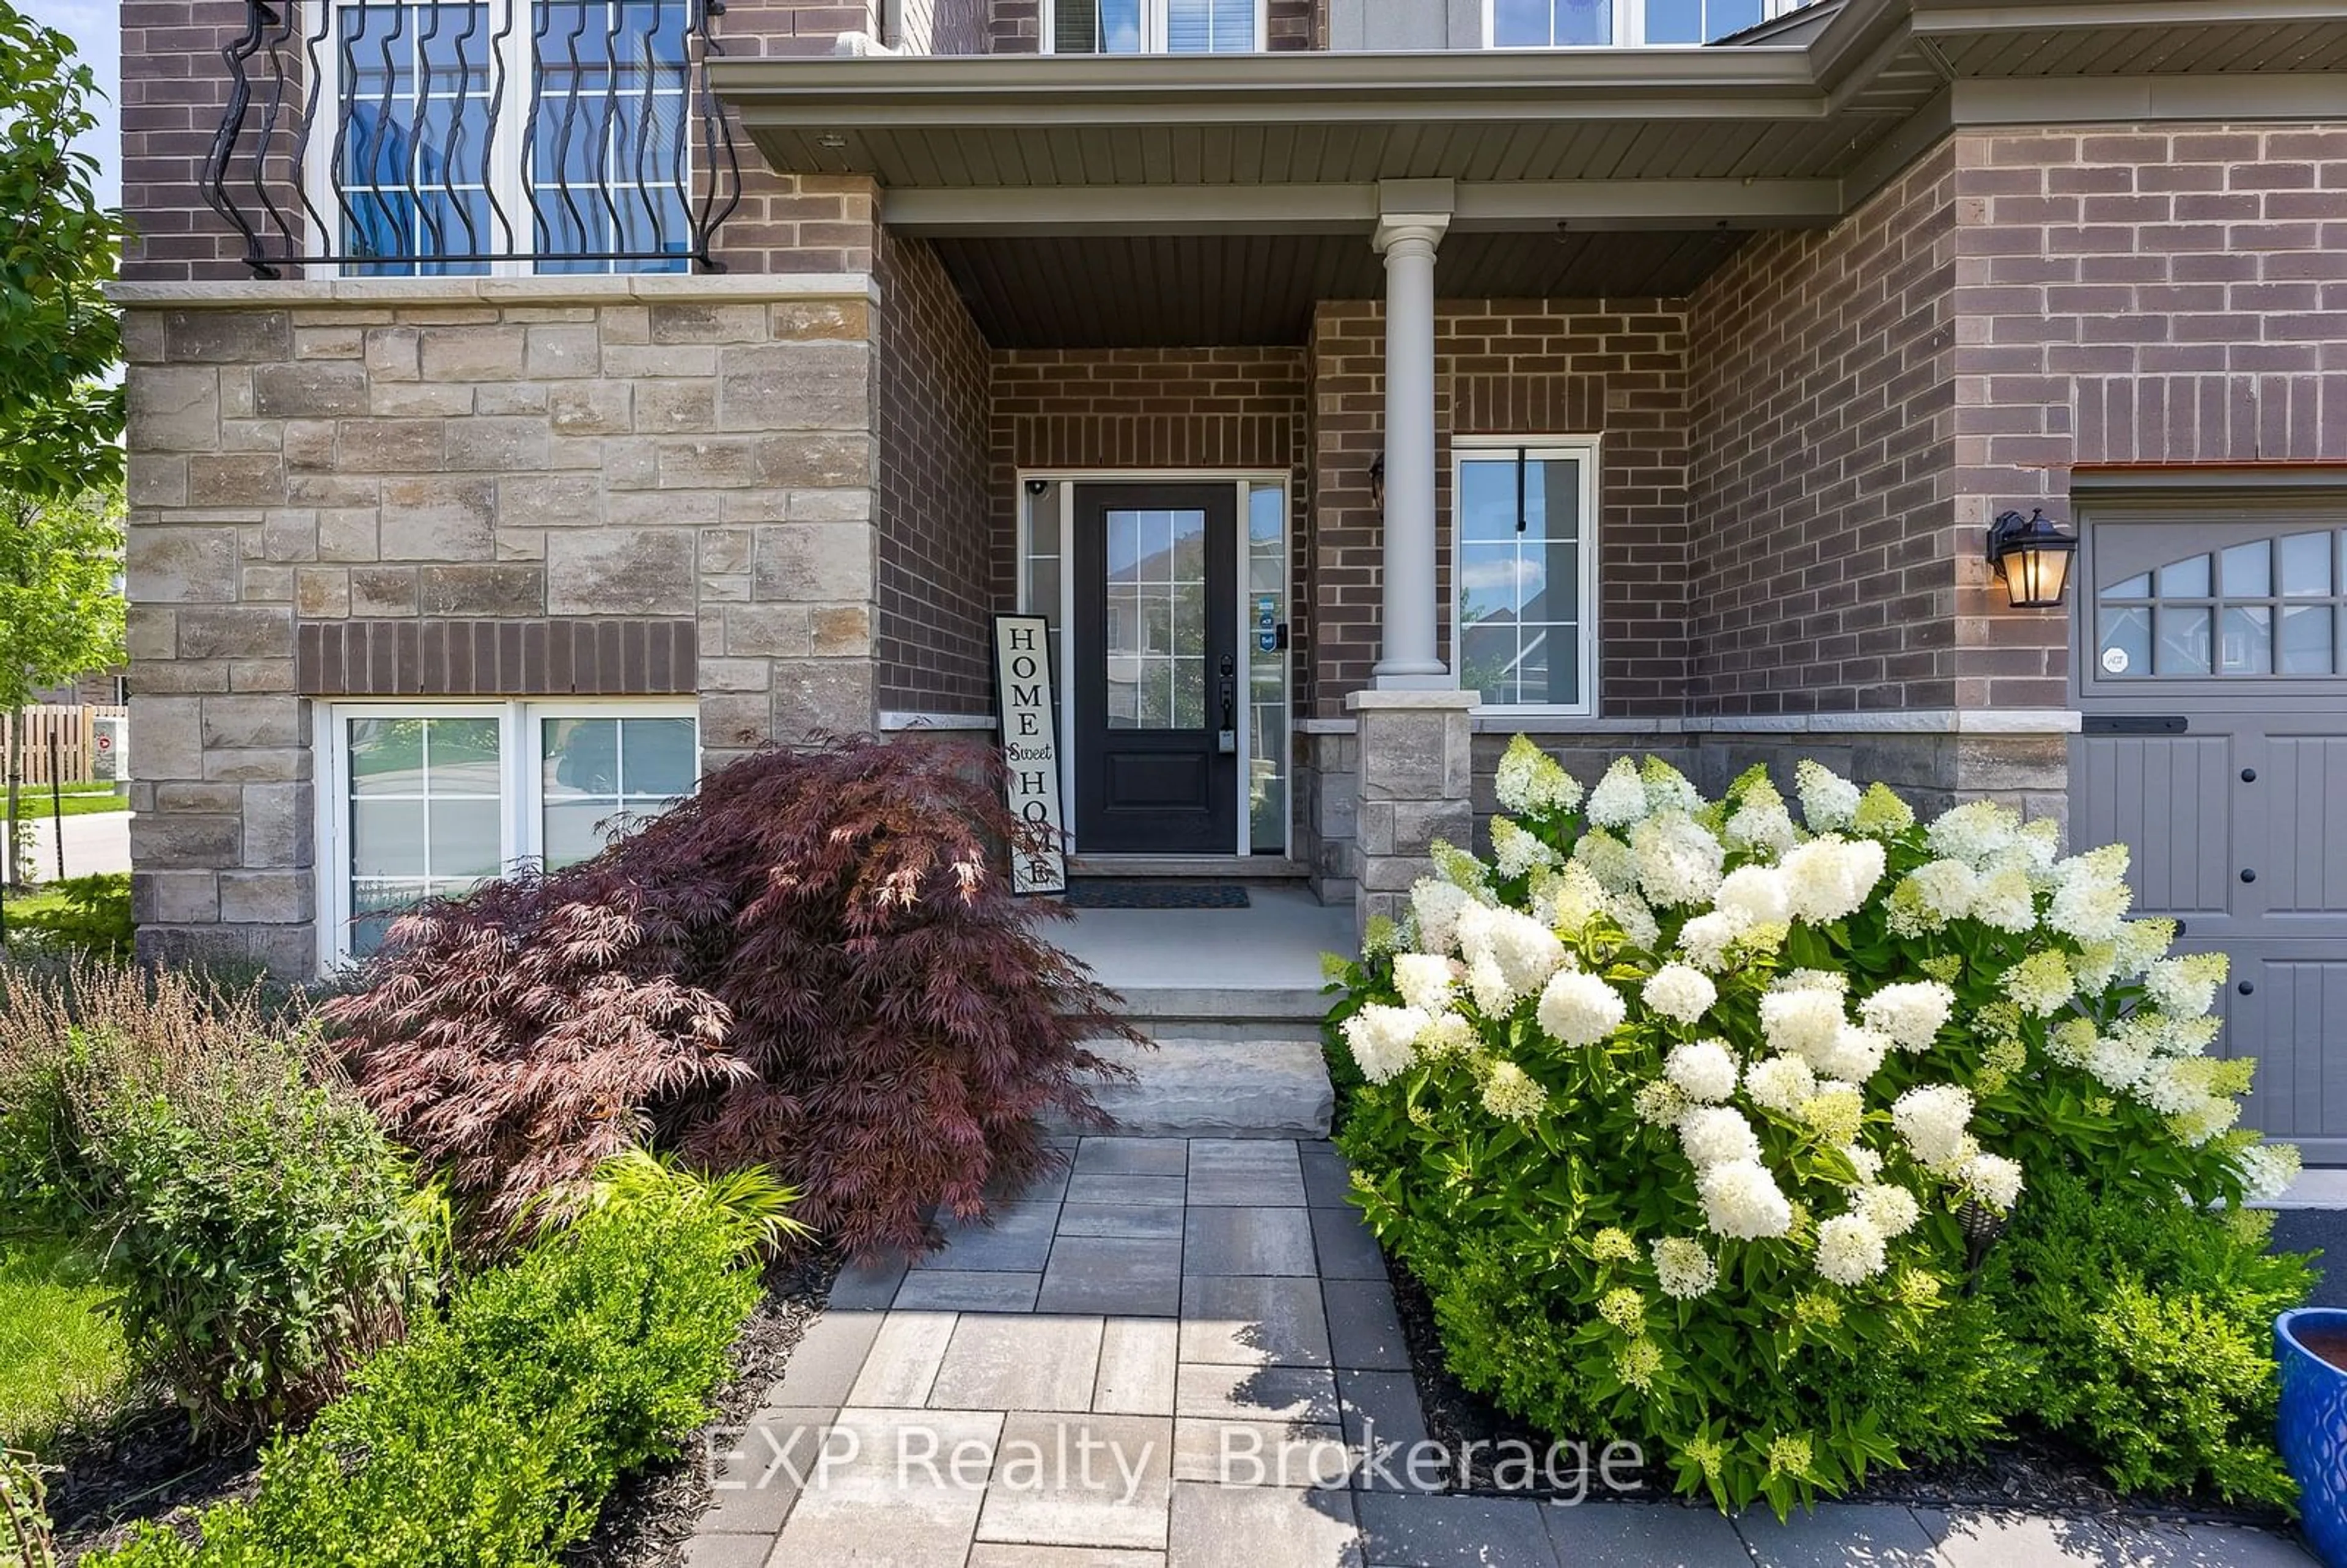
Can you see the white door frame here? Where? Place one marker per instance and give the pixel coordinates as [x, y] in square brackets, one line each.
[1241, 480]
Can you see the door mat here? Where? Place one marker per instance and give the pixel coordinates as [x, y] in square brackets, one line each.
[1110, 893]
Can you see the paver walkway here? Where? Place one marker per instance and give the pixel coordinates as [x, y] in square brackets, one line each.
[1184, 1354]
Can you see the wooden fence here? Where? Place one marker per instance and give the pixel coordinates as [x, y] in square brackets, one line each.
[75, 733]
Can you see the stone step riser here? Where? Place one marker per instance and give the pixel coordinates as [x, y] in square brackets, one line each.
[1195, 1088]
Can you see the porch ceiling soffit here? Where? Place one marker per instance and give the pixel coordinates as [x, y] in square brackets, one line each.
[1747, 136]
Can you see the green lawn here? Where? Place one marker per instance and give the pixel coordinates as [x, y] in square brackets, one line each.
[77, 799]
[61, 1358]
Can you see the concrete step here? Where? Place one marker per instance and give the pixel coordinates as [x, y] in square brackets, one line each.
[1210, 1011]
[1189, 1088]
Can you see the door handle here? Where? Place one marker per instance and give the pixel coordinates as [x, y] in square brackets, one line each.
[1230, 703]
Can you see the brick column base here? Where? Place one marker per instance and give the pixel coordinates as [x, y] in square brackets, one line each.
[1416, 784]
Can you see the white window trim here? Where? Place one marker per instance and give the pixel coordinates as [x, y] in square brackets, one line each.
[1153, 32]
[520, 777]
[1582, 450]
[1629, 27]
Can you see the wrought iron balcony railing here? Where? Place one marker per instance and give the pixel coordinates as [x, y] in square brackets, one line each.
[427, 138]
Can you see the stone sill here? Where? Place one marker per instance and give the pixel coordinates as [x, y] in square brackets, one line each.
[1899, 722]
[604, 289]
[893, 721]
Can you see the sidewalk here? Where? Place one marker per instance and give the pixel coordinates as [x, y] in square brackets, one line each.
[1184, 1354]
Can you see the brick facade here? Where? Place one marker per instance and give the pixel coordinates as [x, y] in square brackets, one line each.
[1616, 369]
[695, 468]
[929, 396]
[1820, 482]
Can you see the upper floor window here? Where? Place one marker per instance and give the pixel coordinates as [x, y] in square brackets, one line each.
[1549, 23]
[1153, 27]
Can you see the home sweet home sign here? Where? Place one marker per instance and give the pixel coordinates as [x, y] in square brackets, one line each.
[1030, 751]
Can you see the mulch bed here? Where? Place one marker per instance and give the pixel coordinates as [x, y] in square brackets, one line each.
[650, 1514]
[144, 1465]
[2037, 1473]
[151, 1465]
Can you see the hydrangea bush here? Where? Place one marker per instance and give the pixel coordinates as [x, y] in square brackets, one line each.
[1693, 1117]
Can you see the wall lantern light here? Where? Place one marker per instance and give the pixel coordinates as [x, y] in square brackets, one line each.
[2032, 555]
[1377, 483]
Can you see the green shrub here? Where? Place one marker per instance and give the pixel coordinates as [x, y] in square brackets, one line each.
[491, 1437]
[1681, 1108]
[25, 1538]
[80, 914]
[2155, 1321]
[257, 1233]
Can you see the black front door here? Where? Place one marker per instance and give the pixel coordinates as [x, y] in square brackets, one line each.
[1156, 678]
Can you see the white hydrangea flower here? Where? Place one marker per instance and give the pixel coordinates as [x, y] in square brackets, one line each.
[1741, 1200]
[1973, 833]
[1865, 1161]
[1637, 922]
[1447, 1034]
[1933, 1119]
[1510, 1094]
[2041, 983]
[1576, 897]
[2194, 1127]
[1881, 813]
[1494, 994]
[1993, 1180]
[1523, 951]
[1678, 860]
[2038, 845]
[1678, 991]
[1717, 1135]
[1854, 1054]
[1580, 1009]
[1829, 800]
[1948, 888]
[1515, 853]
[1762, 826]
[2005, 899]
[2139, 943]
[2267, 1170]
[1779, 1083]
[2186, 986]
[1703, 941]
[1426, 980]
[1608, 859]
[1755, 895]
[1659, 1104]
[1434, 908]
[1667, 789]
[1806, 1023]
[1683, 1269]
[1703, 1069]
[1530, 780]
[1832, 981]
[2119, 1063]
[1383, 1040]
[1849, 1250]
[2097, 967]
[1838, 1106]
[1892, 1210]
[2091, 896]
[1620, 797]
[1912, 1014]
[1828, 878]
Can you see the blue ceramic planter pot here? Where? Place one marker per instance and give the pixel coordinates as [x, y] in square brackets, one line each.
[2312, 1425]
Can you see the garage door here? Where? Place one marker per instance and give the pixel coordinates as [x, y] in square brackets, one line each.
[2213, 684]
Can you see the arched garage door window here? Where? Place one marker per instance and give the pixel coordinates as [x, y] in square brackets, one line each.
[2269, 605]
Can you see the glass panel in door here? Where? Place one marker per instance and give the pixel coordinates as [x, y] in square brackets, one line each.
[1155, 643]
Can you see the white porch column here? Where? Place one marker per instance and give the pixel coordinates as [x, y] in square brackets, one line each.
[1410, 656]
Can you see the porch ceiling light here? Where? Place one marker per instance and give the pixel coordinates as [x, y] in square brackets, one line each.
[2032, 555]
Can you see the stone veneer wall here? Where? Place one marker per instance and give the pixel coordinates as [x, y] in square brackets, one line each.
[368, 463]
[930, 409]
[1616, 368]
